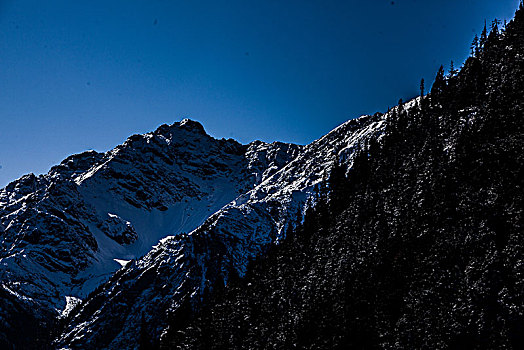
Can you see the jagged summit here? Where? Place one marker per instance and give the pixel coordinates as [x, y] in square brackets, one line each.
[185, 124]
[65, 232]
[192, 125]
[182, 266]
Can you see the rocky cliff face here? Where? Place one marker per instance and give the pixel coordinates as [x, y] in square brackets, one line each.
[174, 209]
[145, 292]
[65, 232]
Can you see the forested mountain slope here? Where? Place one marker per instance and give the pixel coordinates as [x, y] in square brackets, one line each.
[420, 246]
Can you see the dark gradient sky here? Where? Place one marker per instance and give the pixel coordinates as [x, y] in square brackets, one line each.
[79, 75]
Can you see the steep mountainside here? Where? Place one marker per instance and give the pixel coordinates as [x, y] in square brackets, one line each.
[65, 232]
[420, 247]
[146, 292]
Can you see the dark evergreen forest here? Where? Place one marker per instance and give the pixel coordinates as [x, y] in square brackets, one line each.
[420, 245]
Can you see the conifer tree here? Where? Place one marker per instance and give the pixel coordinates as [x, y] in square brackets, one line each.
[452, 70]
[475, 46]
[439, 85]
[495, 25]
[483, 38]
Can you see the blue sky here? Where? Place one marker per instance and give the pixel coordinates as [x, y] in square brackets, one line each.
[79, 75]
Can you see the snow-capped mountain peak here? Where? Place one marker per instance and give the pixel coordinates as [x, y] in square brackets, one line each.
[65, 232]
[174, 204]
[183, 266]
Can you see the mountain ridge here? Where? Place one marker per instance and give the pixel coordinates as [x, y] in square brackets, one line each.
[65, 232]
[62, 231]
[227, 240]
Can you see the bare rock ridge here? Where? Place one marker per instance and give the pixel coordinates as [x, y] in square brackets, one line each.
[65, 232]
[175, 208]
[182, 267]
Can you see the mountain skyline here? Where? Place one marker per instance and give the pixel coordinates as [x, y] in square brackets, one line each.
[265, 71]
[175, 200]
[394, 230]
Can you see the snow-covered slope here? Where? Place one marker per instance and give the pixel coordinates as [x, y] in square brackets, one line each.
[65, 232]
[182, 266]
